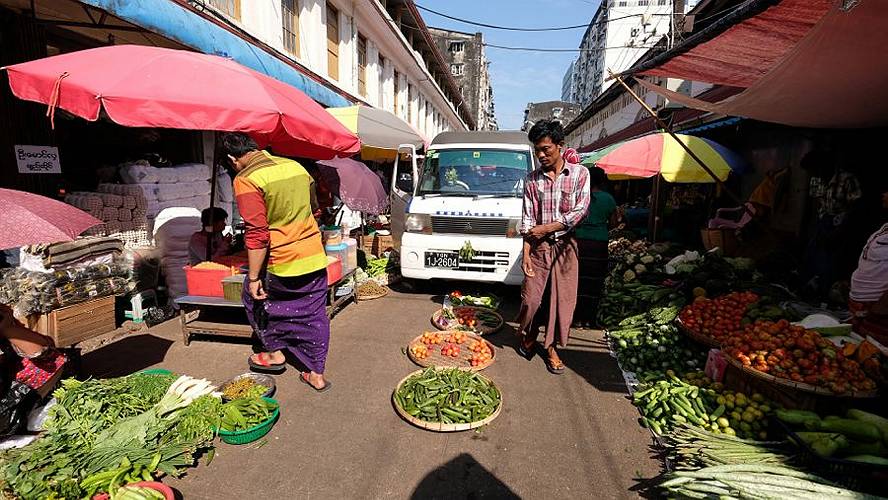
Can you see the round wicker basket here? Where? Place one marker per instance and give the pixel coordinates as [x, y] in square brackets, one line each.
[442, 323]
[440, 426]
[462, 362]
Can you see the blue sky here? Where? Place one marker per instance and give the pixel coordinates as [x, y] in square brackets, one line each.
[519, 77]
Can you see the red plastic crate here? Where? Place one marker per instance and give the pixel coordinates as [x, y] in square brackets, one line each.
[206, 282]
[334, 270]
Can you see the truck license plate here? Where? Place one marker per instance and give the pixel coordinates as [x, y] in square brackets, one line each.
[447, 260]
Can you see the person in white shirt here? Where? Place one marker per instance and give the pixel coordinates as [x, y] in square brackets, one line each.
[868, 300]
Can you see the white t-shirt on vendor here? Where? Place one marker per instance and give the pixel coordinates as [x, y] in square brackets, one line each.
[870, 281]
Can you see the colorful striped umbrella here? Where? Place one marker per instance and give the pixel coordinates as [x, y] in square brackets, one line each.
[660, 154]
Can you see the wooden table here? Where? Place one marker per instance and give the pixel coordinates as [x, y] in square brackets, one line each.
[213, 315]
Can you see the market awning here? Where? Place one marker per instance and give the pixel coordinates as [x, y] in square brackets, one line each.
[138, 86]
[809, 63]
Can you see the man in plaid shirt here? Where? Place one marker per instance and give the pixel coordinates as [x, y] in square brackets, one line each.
[556, 198]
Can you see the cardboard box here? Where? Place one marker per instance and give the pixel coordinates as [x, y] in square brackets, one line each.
[376, 245]
[73, 324]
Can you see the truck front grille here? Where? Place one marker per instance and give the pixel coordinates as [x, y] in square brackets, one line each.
[470, 225]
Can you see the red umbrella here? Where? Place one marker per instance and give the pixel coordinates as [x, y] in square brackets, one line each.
[156, 87]
[29, 219]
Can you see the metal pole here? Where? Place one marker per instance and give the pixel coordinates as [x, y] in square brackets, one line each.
[215, 173]
[736, 199]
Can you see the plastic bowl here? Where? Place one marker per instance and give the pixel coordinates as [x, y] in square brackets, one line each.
[249, 435]
[258, 378]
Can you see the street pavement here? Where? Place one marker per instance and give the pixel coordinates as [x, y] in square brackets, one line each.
[569, 436]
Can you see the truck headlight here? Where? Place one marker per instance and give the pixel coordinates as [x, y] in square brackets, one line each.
[418, 223]
[512, 231]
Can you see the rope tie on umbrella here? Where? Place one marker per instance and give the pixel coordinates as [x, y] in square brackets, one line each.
[54, 99]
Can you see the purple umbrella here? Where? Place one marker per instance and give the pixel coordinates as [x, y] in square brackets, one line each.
[355, 184]
[29, 219]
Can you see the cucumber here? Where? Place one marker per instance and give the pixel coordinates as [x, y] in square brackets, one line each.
[854, 429]
[880, 422]
[868, 459]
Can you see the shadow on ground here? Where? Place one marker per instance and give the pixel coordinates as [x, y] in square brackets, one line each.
[125, 356]
[462, 477]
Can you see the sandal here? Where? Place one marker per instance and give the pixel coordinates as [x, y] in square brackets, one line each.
[555, 369]
[262, 364]
[304, 378]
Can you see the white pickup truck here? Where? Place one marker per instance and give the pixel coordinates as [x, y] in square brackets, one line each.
[466, 192]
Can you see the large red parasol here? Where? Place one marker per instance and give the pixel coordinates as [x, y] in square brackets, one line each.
[156, 87]
[29, 219]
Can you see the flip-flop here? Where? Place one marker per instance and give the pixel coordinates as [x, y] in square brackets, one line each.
[264, 366]
[306, 382]
[524, 352]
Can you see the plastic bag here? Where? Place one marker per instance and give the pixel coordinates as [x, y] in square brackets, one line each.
[15, 405]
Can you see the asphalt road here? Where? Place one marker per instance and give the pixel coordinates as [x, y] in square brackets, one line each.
[568, 436]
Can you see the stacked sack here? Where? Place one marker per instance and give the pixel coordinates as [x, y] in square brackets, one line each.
[118, 209]
[184, 186]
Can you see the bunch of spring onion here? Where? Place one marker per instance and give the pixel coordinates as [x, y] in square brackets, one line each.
[692, 448]
[756, 481]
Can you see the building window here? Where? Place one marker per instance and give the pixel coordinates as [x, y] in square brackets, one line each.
[381, 74]
[397, 87]
[633, 32]
[622, 3]
[556, 112]
[643, 3]
[456, 69]
[362, 65]
[290, 13]
[457, 46]
[661, 2]
[229, 7]
[332, 42]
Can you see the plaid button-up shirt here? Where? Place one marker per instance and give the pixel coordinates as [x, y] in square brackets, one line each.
[564, 200]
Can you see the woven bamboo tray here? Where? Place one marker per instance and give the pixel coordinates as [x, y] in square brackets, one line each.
[799, 386]
[372, 297]
[440, 426]
[694, 335]
[442, 323]
[436, 359]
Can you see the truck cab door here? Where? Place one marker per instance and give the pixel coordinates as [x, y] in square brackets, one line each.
[404, 180]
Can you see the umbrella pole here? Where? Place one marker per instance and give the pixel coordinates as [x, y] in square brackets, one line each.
[736, 199]
[214, 173]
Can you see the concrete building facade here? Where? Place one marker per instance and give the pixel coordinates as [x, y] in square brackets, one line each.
[620, 32]
[464, 52]
[569, 84]
[564, 112]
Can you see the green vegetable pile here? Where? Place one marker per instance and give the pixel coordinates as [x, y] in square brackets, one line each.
[245, 413]
[858, 437]
[244, 388]
[137, 493]
[380, 267]
[692, 448]
[621, 300]
[128, 426]
[650, 342]
[754, 481]
[450, 396]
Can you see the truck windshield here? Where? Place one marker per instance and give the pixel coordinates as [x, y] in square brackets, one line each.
[463, 172]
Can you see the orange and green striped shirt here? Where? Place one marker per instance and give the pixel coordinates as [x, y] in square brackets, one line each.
[273, 197]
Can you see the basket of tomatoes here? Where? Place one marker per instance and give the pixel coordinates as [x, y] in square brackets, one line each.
[711, 321]
[457, 349]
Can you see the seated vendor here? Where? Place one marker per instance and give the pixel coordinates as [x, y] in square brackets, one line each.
[34, 360]
[214, 221]
[869, 286]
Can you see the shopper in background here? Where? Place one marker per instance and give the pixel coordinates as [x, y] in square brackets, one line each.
[213, 221]
[592, 237]
[556, 197]
[285, 290]
[869, 285]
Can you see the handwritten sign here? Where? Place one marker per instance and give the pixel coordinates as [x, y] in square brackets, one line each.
[38, 159]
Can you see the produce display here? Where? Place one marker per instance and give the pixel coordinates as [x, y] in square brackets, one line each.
[650, 342]
[671, 401]
[211, 266]
[717, 318]
[126, 424]
[692, 448]
[469, 318]
[245, 413]
[752, 481]
[137, 493]
[244, 388]
[370, 289]
[489, 301]
[453, 349]
[447, 396]
[794, 353]
[621, 300]
[858, 436]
